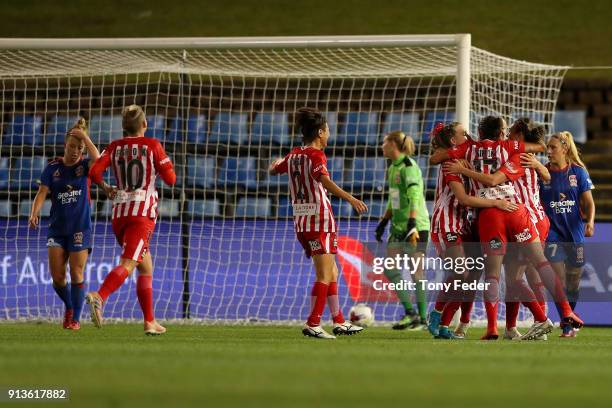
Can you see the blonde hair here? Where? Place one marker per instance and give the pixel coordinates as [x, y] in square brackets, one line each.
[404, 143]
[81, 123]
[132, 118]
[572, 155]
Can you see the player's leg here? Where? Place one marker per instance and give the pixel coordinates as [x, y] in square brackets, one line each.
[324, 270]
[144, 291]
[552, 283]
[493, 265]
[341, 326]
[58, 257]
[454, 298]
[77, 261]
[419, 275]
[536, 285]
[394, 248]
[133, 235]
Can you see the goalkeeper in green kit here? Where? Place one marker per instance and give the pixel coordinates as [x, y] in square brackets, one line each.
[409, 223]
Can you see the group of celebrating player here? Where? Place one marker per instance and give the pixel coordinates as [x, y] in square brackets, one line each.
[489, 191]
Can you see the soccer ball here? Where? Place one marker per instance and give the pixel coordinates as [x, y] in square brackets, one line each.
[361, 315]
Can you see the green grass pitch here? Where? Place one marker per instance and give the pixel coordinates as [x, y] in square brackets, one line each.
[213, 366]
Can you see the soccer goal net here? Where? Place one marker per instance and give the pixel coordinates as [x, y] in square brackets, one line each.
[224, 247]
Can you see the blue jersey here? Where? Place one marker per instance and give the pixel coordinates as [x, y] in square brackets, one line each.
[70, 202]
[561, 200]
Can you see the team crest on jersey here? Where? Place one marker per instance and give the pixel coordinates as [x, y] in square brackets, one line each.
[77, 238]
[573, 180]
[495, 243]
[79, 171]
[314, 245]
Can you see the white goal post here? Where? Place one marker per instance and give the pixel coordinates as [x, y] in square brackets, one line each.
[224, 247]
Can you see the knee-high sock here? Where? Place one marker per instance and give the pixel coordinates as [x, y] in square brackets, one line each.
[421, 298]
[491, 300]
[449, 312]
[555, 287]
[512, 311]
[113, 281]
[442, 296]
[572, 297]
[144, 290]
[77, 294]
[466, 310]
[64, 293]
[319, 298]
[529, 299]
[334, 303]
[395, 276]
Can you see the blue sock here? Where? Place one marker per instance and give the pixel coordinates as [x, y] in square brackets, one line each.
[77, 293]
[64, 293]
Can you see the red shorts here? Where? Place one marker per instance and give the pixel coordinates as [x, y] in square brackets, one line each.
[318, 243]
[133, 234]
[444, 240]
[543, 227]
[497, 227]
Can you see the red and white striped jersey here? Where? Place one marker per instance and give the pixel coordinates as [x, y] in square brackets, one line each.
[136, 162]
[525, 182]
[448, 215]
[312, 210]
[488, 156]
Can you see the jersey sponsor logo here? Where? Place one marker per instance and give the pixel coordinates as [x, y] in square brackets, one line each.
[563, 206]
[79, 171]
[523, 236]
[450, 237]
[495, 243]
[69, 197]
[573, 180]
[318, 168]
[57, 173]
[314, 245]
[166, 160]
[335, 243]
[300, 210]
[77, 238]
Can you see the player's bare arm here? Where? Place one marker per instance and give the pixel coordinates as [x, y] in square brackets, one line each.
[39, 200]
[476, 202]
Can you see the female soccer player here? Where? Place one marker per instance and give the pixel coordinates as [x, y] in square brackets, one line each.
[565, 198]
[313, 219]
[450, 228]
[409, 222]
[136, 161]
[496, 228]
[523, 171]
[69, 235]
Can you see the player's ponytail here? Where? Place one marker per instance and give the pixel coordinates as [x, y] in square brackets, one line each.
[532, 132]
[404, 143]
[572, 154]
[81, 123]
[441, 135]
[309, 121]
[133, 118]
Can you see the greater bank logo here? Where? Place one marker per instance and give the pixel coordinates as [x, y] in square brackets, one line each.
[563, 206]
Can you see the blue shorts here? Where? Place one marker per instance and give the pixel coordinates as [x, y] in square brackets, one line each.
[76, 242]
[569, 252]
